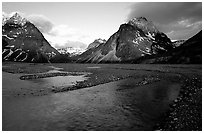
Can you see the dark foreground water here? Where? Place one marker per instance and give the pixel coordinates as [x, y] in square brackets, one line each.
[120, 105]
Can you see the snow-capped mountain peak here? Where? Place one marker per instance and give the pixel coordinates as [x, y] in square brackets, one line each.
[144, 24]
[15, 18]
[70, 50]
[139, 19]
[22, 41]
[133, 40]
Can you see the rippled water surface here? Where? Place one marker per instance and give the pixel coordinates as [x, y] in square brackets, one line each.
[120, 105]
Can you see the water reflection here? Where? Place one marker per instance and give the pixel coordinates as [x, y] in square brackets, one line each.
[104, 107]
[52, 78]
[94, 67]
[59, 81]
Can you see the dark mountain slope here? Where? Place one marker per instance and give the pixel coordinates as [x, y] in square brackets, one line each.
[138, 38]
[190, 52]
[22, 41]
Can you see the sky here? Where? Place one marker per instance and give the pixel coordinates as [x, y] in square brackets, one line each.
[79, 24]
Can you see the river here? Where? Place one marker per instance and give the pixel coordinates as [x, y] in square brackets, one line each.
[119, 105]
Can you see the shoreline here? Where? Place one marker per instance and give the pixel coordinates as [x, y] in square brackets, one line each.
[185, 113]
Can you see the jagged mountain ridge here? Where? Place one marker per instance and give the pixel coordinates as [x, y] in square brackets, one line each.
[137, 38]
[189, 52]
[22, 41]
[96, 43]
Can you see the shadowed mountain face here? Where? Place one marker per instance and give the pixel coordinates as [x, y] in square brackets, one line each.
[22, 41]
[190, 52]
[138, 38]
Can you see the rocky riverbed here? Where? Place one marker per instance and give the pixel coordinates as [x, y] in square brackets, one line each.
[136, 90]
[185, 114]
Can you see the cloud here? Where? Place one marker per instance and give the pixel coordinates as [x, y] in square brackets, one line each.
[185, 32]
[43, 23]
[61, 41]
[173, 18]
[60, 35]
[63, 35]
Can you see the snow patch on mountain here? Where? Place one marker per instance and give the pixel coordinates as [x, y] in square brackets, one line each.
[7, 37]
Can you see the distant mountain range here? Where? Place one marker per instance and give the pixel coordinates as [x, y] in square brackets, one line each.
[137, 41]
[70, 51]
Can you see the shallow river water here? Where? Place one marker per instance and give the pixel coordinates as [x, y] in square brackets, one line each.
[120, 105]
